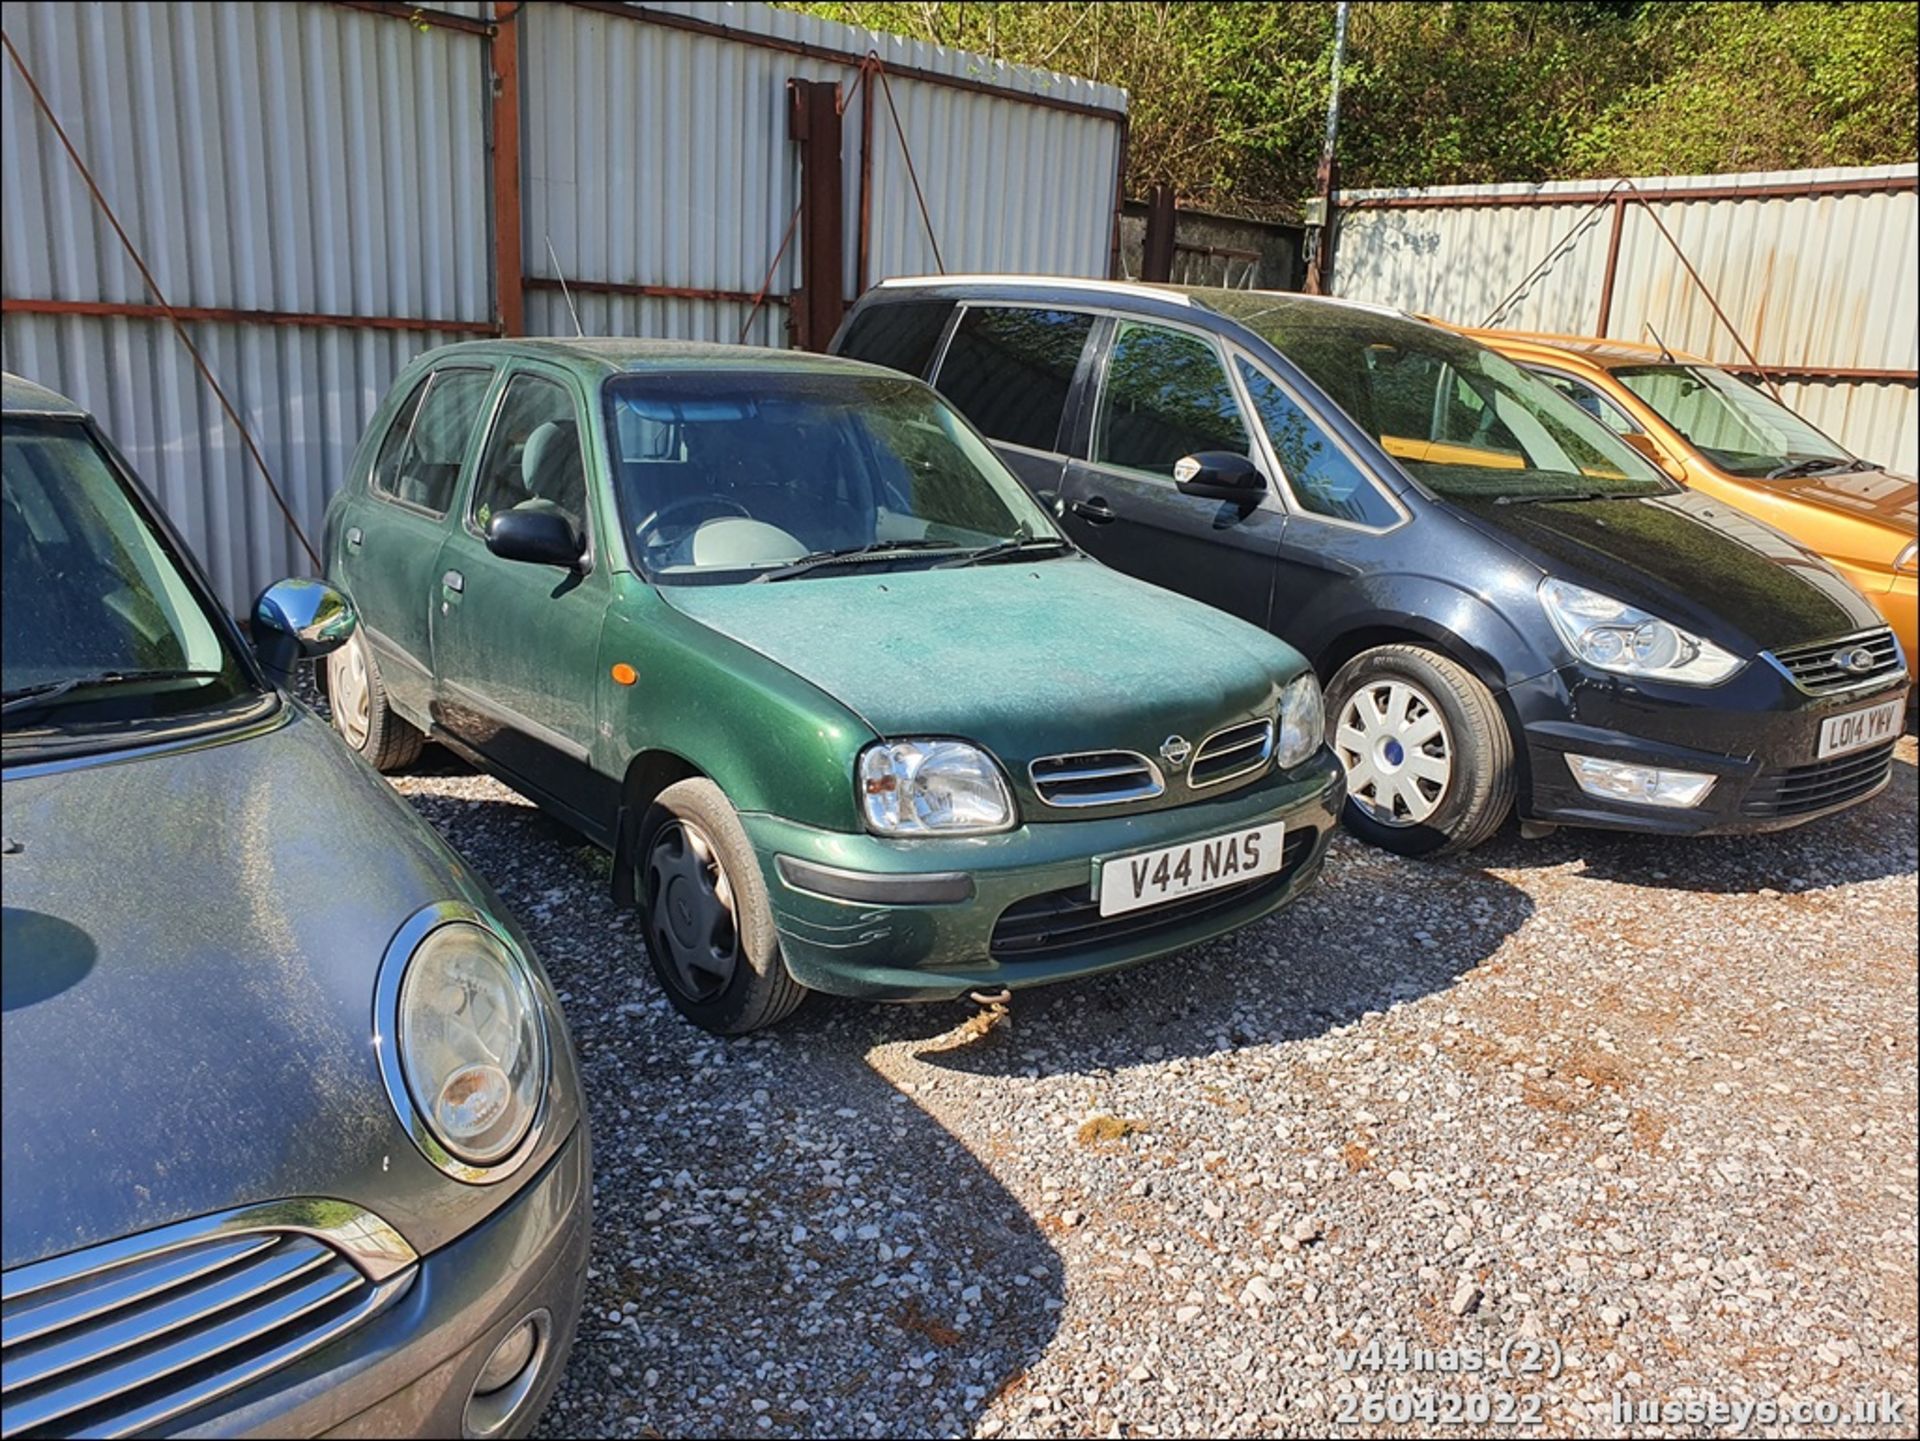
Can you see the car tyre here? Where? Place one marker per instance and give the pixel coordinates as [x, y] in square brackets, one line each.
[708, 922]
[1429, 760]
[357, 702]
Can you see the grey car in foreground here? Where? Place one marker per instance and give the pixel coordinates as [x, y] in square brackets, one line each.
[294, 1141]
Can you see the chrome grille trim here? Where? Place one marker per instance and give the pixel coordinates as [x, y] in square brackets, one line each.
[1230, 753]
[1116, 777]
[123, 1336]
[1811, 668]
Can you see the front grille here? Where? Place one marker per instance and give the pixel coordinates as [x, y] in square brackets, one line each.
[1095, 778]
[1800, 789]
[119, 1348]
[1059, 923]
[1816, 668]
[1232, 752]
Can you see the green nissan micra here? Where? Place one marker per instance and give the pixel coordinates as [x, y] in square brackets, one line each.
[783, 635]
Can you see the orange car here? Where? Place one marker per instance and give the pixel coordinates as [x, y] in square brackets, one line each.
[1716, 433]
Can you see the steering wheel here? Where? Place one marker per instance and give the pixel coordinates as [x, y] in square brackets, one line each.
[647, 530]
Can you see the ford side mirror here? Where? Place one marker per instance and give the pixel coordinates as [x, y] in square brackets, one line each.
[539, 537]
[1219, 475]
[299, 619]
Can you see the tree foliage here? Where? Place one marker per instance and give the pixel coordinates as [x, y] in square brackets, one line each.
[1228, 101]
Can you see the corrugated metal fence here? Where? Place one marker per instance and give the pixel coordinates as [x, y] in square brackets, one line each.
[1818, 269]
[324, 190]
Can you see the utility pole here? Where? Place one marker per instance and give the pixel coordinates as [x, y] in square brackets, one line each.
[1320, 208]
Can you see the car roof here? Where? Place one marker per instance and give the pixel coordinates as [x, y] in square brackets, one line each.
[1605, 353]
[1067, 288]
[600, 356]
[20, 396]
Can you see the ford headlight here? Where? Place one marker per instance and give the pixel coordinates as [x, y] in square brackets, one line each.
[1613, 636]
[1302, 723]
[1908, 560]
[931, 787]
[470, 1044]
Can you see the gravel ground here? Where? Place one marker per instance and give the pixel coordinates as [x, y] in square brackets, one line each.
[1647, 1107]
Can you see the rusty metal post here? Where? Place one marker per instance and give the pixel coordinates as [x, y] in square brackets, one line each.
[1613, 265]
[503, 61]
[1119, 197]
[1156, 251]
[813, 120]
[1320, 236]
[863, 244]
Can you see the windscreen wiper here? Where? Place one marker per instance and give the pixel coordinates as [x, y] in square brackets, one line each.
[33, 697]
[1001, 549]
[1565, 498]
[1818, 466]
[848, 555]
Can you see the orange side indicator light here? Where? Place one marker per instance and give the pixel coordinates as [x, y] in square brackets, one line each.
[624, 674]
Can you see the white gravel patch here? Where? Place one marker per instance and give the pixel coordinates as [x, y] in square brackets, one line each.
[1648, 1103]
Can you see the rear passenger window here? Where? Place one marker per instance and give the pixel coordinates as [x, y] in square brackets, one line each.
[533, 455]
[1322, 477]
[422, 466]
[1166, 396]
[900, 335]
[1008, 370]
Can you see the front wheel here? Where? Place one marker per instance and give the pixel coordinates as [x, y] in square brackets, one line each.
[1428, 758]
[357, 701]
[709, 925]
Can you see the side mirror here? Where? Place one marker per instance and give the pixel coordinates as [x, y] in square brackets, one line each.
[1219, 475]
[539, 537]
[299, 619]
[1644, 444]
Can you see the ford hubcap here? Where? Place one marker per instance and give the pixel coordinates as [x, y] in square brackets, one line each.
[690, 911]
[1399, 757]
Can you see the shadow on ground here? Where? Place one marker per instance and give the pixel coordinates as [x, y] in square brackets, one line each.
[745, 1190]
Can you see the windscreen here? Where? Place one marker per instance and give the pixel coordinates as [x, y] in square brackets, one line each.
[722, 474]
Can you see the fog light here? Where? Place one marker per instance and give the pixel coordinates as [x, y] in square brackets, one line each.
[1642, 785]
[510, 1375]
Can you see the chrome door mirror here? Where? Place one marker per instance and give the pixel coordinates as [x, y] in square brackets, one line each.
[299, 619]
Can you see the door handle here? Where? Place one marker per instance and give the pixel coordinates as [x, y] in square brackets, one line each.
[354, 537]
[454, 581]
[1095, 509]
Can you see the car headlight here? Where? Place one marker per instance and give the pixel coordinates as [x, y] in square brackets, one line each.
[1302, 724]
[468, 1043]
[1908, 559]
[1611, 635]
[931, 787]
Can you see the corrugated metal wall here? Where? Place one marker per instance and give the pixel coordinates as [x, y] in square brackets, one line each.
[325, 163]
[291, 158]
[1828, 282]
[657, 157]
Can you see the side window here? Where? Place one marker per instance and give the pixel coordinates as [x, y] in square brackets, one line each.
[387, 462]
[426, 464]
[1008, 371]
[1591, 401]
[1166, 395]
[1322, 476]
[900, 335]
[532, 460]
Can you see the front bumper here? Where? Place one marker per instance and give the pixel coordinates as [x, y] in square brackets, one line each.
[1758, 735]
[410, 1370]
[938, 950]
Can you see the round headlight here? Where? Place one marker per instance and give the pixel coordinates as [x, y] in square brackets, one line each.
[472, 1042]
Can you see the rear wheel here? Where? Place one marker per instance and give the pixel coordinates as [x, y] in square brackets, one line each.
[709, 926]
[358, 703]
[1428, 759]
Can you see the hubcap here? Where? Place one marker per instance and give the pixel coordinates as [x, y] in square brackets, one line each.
[690, 911]
[351, 696]
[1399, 757]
